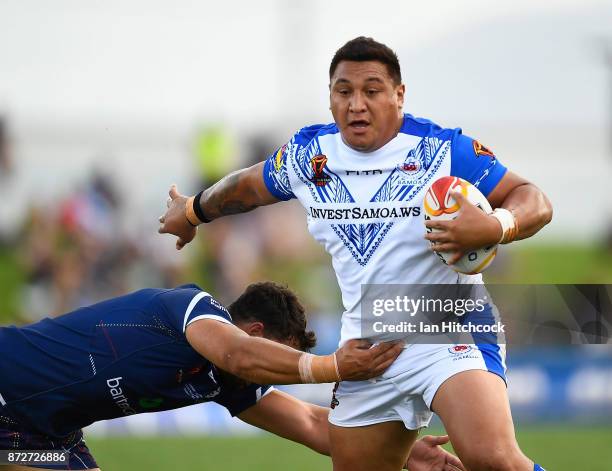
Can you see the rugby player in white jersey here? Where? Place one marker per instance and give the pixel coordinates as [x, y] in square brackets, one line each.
[373, 156]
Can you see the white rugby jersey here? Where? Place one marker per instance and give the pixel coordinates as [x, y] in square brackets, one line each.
[366, 208]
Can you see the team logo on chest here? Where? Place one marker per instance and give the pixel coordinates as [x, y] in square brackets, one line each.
[317, 163]
[412, 169]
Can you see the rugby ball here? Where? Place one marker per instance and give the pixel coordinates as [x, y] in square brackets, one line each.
[439, 205]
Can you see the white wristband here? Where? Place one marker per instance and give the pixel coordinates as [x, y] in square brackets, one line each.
[508, 223]
[305, 368]
[318, 369]
[336, 367]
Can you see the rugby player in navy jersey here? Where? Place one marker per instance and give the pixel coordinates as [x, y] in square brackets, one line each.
[160, 349]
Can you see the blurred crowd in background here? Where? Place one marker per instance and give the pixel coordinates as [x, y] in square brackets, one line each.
[72, 251]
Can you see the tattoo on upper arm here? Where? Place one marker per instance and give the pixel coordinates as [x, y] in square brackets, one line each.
[230, 195]
[235, 207]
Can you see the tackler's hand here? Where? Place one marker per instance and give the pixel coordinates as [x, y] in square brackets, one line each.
[427, 455]
[358, 360]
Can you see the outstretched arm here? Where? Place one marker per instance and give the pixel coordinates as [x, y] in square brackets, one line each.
[263, 361]
[288, 417]
[238, 192]
[305, 423]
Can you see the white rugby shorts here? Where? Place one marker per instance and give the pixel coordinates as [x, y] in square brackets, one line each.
[405, 391]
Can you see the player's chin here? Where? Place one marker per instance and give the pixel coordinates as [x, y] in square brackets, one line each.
[361, 141]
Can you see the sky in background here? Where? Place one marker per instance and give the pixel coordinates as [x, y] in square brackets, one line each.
[257, 60]
[527, 78]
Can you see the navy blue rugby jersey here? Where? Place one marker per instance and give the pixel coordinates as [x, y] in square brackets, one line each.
[123, 356]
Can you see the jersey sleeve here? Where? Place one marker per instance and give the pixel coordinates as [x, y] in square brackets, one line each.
[275, 172]
[475, 163]
[239, 400]
[187, 304]
[276, 176]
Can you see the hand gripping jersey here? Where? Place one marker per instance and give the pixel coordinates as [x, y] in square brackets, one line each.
[120, 357]
[366, 208]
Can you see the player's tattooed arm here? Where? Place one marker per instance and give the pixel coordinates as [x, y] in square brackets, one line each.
[238, 192]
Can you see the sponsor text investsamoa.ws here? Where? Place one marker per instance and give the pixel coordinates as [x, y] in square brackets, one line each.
[364, 213]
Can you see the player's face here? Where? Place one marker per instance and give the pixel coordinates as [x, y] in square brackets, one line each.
[366, 104]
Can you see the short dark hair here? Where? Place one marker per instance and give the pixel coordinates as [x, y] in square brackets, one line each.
[278, 308]
[363, 49]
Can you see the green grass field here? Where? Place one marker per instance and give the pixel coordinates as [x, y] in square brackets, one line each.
[558, 448]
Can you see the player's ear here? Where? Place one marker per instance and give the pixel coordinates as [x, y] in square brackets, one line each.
[400, 90]
[254, 329]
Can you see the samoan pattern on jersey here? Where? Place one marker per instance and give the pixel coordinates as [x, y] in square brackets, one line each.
[335, 191]
[277, 172]
[362, 240]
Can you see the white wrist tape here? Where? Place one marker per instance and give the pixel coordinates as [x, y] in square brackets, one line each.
[305, 368]
[318, 369]
[508, 223]
[336, 367]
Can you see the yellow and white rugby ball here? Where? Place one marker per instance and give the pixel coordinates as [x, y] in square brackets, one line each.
[439, 205]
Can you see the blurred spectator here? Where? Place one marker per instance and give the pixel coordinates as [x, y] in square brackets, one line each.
[75, 255]
[215, 154]
[5, 157]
